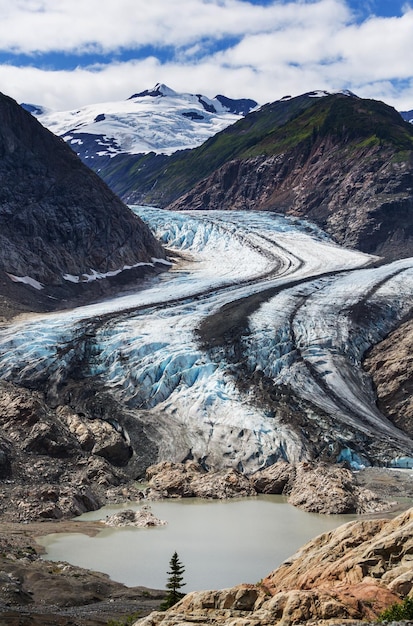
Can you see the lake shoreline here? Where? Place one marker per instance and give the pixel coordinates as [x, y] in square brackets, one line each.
[56, 594]
[22, 559]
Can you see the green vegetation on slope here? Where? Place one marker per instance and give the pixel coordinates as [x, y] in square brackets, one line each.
[274, 129]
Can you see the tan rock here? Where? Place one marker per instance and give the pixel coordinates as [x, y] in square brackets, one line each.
[97, 436]
[351, 573]
[78, 428]
[186, 480]
[144, 518]
[275, 479]
[322, 488]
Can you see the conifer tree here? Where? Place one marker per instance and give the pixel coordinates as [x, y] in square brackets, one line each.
[174, 584]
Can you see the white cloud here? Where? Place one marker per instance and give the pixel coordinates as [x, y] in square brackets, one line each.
[283, 48]
[66, 25]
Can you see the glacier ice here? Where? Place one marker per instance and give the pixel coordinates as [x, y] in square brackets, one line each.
[319, 308]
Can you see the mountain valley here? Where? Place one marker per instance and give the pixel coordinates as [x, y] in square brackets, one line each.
[259, 314]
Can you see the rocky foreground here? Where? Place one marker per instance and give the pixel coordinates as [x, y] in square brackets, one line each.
[37, 592]
[351, 573]
[56, 463]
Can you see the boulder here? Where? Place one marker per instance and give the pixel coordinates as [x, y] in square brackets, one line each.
[188, 480]
[330, 489]
[144, 518]
[275, 479]
[98, 437]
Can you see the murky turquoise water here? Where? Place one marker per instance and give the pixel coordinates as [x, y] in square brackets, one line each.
[220, 543]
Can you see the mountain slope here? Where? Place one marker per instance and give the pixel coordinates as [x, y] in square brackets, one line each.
[58, 220]
[159, 179]
[342, 162]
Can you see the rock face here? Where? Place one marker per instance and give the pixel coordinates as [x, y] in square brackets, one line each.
[57, 218]
[317, 488]
[330, 490]
[55, 464]
[344, 163]
[390, 364]
[188, 480]
[351, 573]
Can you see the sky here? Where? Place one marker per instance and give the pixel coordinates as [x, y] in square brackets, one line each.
[64, 54]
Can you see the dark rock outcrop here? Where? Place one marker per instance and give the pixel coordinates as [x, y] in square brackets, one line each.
[56, 464]
[57, 218]
[390, 364]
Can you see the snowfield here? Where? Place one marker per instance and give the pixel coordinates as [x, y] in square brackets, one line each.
[284, 381]
[161, 121]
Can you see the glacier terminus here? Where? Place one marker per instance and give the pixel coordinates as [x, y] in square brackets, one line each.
[247, 351]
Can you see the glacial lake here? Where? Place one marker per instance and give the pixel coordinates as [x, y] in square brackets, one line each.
[220, 543]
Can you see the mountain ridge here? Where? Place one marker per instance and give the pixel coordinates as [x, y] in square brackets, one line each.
[60, 223]
[343, 163]
[158, 120]
[268, 140]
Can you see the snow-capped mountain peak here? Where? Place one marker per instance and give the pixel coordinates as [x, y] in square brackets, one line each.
[158, 120]
[160, 89]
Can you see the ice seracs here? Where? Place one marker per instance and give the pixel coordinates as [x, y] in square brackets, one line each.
[283, 382]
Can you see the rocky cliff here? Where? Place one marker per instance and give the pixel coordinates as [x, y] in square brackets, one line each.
[56, 463]
[390, 364]
[351, 573]
[344, 163]
[60, 225]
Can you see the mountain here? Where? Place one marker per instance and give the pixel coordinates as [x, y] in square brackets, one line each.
[158, 120]
[407, 115]
[61, 226]
[342, 162]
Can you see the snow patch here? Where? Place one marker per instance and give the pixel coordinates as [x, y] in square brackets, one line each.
[26, 280]
[95, 275]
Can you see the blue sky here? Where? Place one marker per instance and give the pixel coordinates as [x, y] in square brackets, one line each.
[68, 53]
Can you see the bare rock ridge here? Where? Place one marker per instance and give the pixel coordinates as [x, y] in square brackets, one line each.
[59, 222]
[317, 488]
[390, 364]
[351, 573]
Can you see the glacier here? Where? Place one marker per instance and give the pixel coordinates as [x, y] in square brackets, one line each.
[160, 120]
[248, 350]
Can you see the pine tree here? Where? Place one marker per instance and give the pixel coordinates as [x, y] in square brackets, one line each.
[174, 583]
